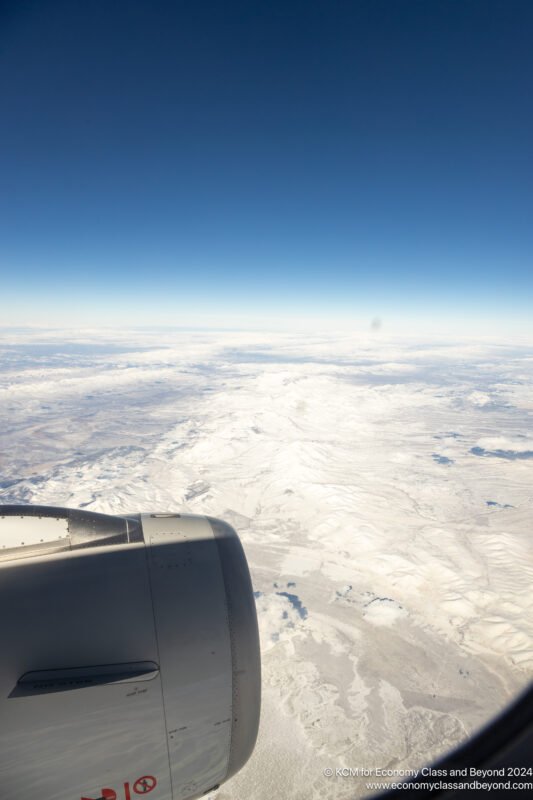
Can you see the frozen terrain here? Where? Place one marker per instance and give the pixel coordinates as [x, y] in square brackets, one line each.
[383, 491]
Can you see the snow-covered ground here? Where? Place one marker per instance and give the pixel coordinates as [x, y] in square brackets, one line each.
[383, 491]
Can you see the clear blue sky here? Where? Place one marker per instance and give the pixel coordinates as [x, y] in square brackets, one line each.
[362, 158]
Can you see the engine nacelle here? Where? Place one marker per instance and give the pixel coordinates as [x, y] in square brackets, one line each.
[129, 655]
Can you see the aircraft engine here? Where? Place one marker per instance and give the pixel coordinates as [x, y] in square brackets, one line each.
[129, 655]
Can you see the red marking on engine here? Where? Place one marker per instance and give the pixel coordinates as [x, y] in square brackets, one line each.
[105, 794]
[145, 784]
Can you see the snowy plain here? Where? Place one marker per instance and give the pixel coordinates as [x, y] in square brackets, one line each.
[383, 492]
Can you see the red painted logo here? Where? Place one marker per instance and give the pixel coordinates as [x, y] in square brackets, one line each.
[143, 785]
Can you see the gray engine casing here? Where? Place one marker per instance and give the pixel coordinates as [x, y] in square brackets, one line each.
[129, 655]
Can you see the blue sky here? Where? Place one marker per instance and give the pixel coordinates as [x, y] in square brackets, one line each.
[201, 160]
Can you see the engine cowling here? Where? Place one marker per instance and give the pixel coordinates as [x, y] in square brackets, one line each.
[129, 660]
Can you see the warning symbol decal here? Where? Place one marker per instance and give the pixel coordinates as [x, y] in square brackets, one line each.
[145, 784]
